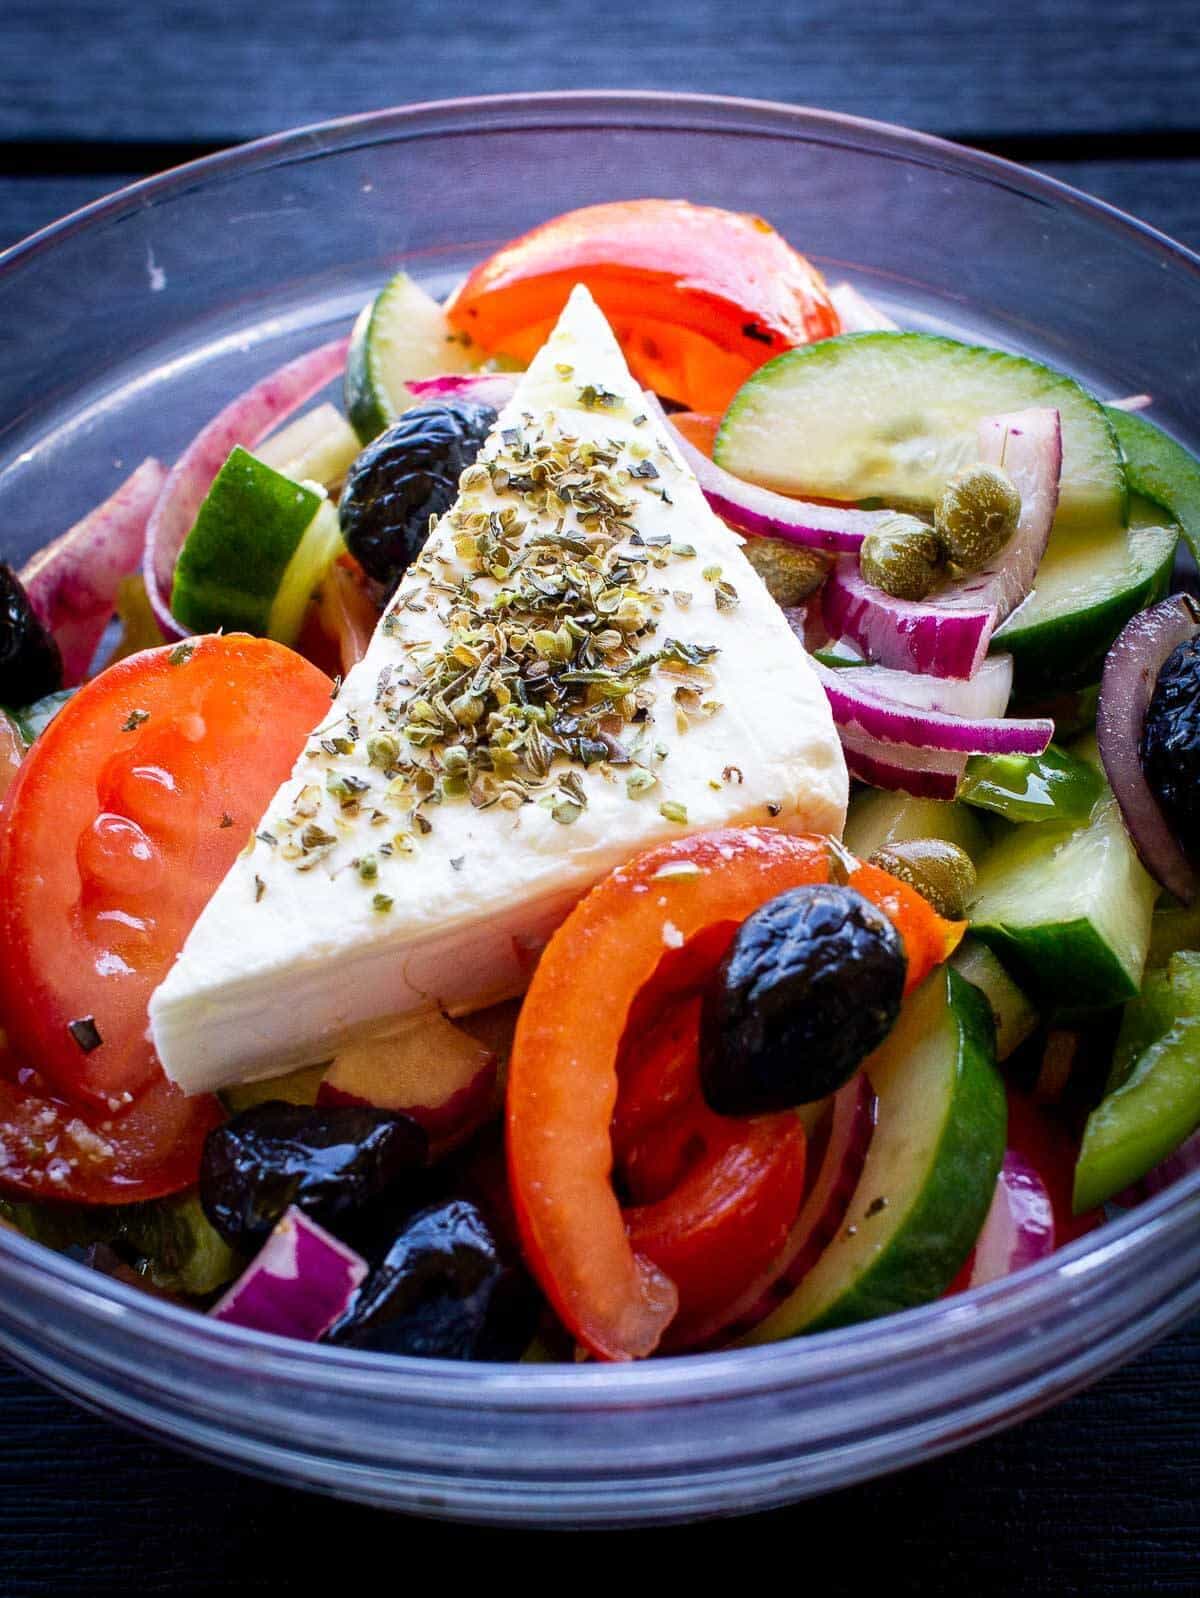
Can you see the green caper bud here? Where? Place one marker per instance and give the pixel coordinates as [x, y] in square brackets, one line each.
[790, 571]
[977, 515]
[939, 871]
[903, 556]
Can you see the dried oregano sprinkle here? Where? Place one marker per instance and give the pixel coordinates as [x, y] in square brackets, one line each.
[550, 612]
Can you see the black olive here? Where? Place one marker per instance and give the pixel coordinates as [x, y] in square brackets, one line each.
[404, 477]
[810, 986]
[443, 1291]
[1171, 743]
[331, 1162]
[30, 663]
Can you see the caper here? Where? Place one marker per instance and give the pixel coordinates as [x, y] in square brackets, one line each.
[903, 556]
[939, 871]
[977, 515]
[790, 571]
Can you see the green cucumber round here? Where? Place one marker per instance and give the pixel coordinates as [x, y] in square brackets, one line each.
[1160, 470]
[891, 416]
[930, 1172]
[1089, 584]
[256, 551]
[402, 333]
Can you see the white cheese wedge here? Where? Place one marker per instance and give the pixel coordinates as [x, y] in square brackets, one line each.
[360, 898]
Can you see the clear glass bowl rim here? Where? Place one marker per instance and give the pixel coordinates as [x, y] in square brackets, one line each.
[979, 1319]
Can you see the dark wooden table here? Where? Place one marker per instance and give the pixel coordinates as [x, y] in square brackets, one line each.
[1098, 1497]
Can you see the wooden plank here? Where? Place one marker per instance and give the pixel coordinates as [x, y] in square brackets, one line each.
[1095, 1497]
[219, 70]
[1164, 193]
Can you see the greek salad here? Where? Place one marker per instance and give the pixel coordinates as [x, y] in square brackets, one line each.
[669, 818]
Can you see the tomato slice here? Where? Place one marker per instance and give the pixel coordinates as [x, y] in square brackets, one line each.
[563, 1076]
[124, 817]
[698, 297]
[50, 1149]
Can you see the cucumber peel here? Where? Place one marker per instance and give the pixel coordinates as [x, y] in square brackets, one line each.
[891, 416]
[1089, 584]
[402, 333]
[1161, 470]
[930, 1172]
[257, 549]
[1068, 907]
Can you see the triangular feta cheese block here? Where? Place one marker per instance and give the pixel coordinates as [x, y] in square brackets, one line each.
[581, 664]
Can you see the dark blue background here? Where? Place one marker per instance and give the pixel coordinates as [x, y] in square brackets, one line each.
[1098, 1497]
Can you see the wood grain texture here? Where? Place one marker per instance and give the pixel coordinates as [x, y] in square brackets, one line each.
[220, 70]
[1164, 193]
[1097, 1497]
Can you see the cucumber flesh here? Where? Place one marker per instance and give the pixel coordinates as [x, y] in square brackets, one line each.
[1089, 584]
[878, 818]
[258, 547]
[1015, 1017]
[1068, 907]
[319, 447]
[892, 415]
[933, 1161]
[1161, 470]
[402, 333]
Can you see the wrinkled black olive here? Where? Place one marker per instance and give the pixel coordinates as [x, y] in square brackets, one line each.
[443, 1291]
[407, 475]
[1171, 743]
[331, 1162]
[810, 986]
[30, 663]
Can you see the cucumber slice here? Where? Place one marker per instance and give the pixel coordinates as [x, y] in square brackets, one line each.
[318, 447]
[893, 415]
[258, 548]
[403, 333]
[1088, 586]
[1068, 908]
[878, 818]
[930, 1172]
[1161, 470]
[1015, 1017]
[1153, 1099]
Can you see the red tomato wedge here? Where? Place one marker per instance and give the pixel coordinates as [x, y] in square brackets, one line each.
[124, 817]
[612, 1295]
[50, 1149]
[698, 297]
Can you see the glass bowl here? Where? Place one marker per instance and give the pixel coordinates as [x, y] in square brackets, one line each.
[130, 323]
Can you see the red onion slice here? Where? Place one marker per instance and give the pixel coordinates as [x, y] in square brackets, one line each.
[765, 514]
[486, 388]
[1126, 689]
[72, 583]
[855, 706]
[947, 635]
[903, 768]
[299, 1283]
[909, 635]
[1019, 1229]
[851, 1127]
[245, 421]
[986, 694]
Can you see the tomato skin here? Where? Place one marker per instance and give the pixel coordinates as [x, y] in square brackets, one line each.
[727, 1219]
[124, 817]
[563, 1075]
[699, 297]
[53, 1150]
